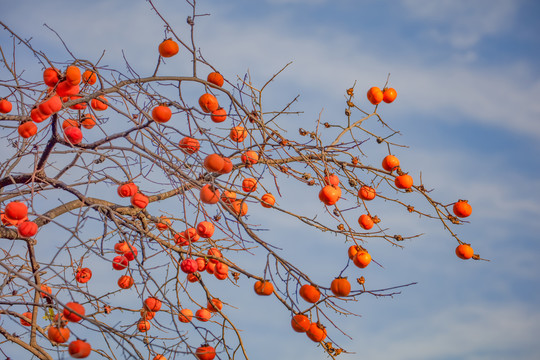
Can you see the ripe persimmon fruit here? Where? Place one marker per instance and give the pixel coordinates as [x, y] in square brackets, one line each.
[168, 48]
[462, 208]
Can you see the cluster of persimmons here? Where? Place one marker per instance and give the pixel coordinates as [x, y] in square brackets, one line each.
[75, 88]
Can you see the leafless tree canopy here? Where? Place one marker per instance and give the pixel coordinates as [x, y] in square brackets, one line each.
[72, 191]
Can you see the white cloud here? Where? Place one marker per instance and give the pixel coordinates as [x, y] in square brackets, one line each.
[501, 97]
[323, 66]
[326, 63]
[465, 331]
[462, 23]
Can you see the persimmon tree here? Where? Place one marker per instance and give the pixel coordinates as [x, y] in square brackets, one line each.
[148, 178]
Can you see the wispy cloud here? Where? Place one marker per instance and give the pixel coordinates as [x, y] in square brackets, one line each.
[497, 96]
[472, 331]
[462, 23]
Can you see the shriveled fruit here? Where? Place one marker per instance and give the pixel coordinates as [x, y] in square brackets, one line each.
[121, 247]
[189, 266]
[83, 275]
[367, 193]
[143, 325]
[220, 276]
[268, 200]
[216, 253]
[131, 253]
[210, 267]
[221, 269]
[201, 263]
[125, 282]
[249, 184]
[146, 314]
[249, 158]
[187, 237]
[181, 239]
[189, 145]
[238, 133]
[228, 196]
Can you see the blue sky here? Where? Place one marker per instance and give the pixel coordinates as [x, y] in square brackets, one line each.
[468, 84]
